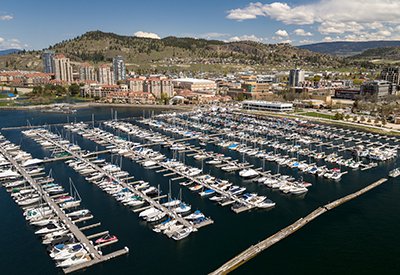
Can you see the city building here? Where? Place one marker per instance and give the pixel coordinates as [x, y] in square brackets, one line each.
[119, 68]
[347, 93]
[24, 78]
[130, 97]
[267, 106]
[296, 76]
[47, 58]
[101, 90]
[136, 84]
[158, 86]
[87, 73]
[62, 68]
[376, 88]
[105, 76]
[194, 84]
[391, 74]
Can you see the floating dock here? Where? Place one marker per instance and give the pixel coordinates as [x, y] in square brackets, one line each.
[256, 249]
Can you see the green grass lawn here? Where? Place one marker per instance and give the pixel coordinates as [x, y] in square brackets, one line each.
[316, 114]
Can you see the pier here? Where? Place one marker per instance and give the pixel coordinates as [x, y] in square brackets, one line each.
[164, 168]
[96, 256]
[256, 249]
[149, 200]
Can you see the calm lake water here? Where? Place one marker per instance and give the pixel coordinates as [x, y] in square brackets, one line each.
[360, 237]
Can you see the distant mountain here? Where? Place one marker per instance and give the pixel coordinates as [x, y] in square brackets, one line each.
[388, 54]
[348, 48]
[175, 54]
[9, 51]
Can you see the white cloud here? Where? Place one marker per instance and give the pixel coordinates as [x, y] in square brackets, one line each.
[12, 43]
[278, 11]
[287, 41]
[246, 38]
[281, 33]
[329, 27]
[306, 41]
[348, 18]
[147, 35]
[6, 17]
[250, 12]
[327, 39]
[301, 32]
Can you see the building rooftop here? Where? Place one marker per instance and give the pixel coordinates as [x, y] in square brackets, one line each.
[194, 80]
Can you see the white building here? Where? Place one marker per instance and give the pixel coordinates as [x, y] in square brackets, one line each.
[267, 106]
[62, 68]
[119, 68]
[87, 73]
[105, 76]
[194, 84]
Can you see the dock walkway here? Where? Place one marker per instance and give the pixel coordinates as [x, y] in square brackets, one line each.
[96, 256]
[149, 200]
[254, 250]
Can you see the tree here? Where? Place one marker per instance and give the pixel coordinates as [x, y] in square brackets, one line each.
[240, 97]
[164, 98]
[317, 78]
[37, 90]
[347, 117]
[74, 89]
[362, 119]
[338, 116]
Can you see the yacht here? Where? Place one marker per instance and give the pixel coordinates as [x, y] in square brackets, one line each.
[69, 252]
[207, 192]
[181, 234]
[394, 173]
[197, 214]
[248, 173]
[79, 258]
[51, 227]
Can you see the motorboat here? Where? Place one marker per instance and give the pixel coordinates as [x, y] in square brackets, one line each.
[182, 208]
[67, 253]
[197, 214]
[79, 213]
[248, 173]
[79, 258]
[207, 192]
[51, 227]
[106, 238]
[181, 233]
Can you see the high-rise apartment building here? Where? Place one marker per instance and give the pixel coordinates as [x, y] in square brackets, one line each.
[62, 68]
[119, 68]
[47, 58]
[105, 76]
[296, 76]
[158, 86]
[87, 73]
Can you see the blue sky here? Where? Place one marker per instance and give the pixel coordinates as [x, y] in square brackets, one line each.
[38, 24]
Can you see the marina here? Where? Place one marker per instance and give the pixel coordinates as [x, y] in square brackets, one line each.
[193, 175]
[46, 208]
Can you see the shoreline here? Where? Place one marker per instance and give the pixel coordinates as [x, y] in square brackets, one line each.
[341, 123]
[91, 104]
